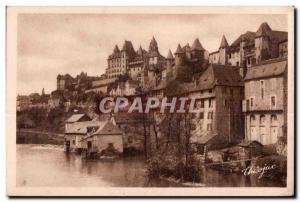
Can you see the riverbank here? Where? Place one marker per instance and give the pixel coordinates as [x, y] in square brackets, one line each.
[72, 170]
[31, 136]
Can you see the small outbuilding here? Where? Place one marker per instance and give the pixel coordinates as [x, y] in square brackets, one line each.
[106, 141]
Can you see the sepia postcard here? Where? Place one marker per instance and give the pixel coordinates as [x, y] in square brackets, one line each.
[150, 101]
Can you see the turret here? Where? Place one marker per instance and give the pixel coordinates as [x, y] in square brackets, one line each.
[153, 45]
[198, 51]
[116, 49]
[169, 67]
[179, 56]
[223, 51]
[153, 52]
[262, 42]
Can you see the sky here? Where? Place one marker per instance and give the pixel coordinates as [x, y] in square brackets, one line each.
[52, 44]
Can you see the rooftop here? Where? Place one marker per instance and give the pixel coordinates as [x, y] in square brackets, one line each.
[267, 69]
[77, 117]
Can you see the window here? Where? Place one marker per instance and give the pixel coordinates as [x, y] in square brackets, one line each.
[262, 120]
[262, 88]
[273, 101]
[252, 120]
[210, 91]
[210, 115]
[73, 141]
[201, 115]
[273, 120]
[251, 102]
[210, 103]
[237, 64]
[202, 103]
[247, 104]
[209, 127]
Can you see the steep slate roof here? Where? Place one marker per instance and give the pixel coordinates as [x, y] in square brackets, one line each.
[116, 50]
[275, 36]
[179, 49]
[278, 36]
[248, 37]
[101, 125]
[170, 55]
[197, 45]
[218, 75]
[141, 51]
[153, 42]
[263, 30]
[268, 69]
[224, 42]
[77, 117]
[108, 129]
[128, 46]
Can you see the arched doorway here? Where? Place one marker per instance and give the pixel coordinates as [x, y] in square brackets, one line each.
[274, 129]
[262, 130]
[253, 130]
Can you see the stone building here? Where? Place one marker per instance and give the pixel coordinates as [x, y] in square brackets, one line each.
[137, 65]
[75, 85]
[106, 139]
[219, 93]
[64, 82]
[76, 127]
[265, 104]
[100, 86]
[251, 48]
[118, 61]
[154, 66]
[193, 57]
[126, 88]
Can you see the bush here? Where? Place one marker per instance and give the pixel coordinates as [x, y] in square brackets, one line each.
[169, 166]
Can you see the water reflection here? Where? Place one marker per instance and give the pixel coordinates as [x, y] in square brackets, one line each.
[48, 165]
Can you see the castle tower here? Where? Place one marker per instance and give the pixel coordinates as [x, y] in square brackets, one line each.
[58, 82]
[153, 47]
[188, 51]
[262, 42]
[116, 49]
[169, 61]
[127, 54]
[153, 52]
[179, 56]
[223, 51]
[198, 51]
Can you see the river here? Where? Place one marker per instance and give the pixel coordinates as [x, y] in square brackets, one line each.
[48, 165]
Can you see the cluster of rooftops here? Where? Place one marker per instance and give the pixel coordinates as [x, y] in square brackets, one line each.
[248, 38]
